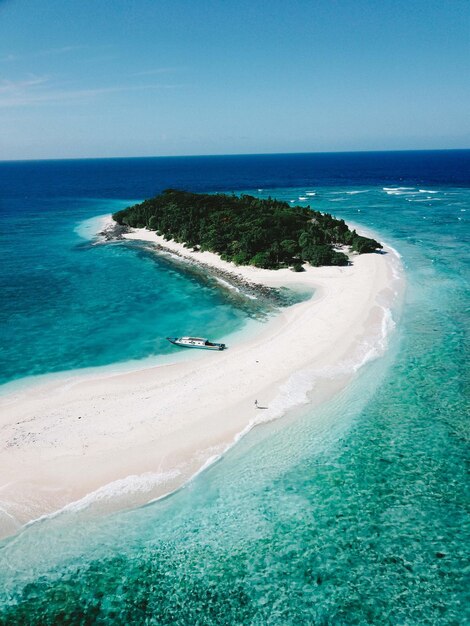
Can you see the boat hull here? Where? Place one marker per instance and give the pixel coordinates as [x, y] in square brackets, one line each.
[212, 346]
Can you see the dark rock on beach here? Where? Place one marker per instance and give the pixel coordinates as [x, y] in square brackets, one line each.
[114, 232]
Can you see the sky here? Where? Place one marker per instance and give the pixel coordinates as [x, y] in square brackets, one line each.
[105, 78]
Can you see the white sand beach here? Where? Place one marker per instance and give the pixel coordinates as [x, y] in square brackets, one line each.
[136, 435]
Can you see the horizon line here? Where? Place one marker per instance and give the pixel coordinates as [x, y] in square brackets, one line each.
[229, 154]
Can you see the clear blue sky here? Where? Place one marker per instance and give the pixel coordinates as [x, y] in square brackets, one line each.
[85, 78]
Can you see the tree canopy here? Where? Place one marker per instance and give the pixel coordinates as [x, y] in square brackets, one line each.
[247, 230]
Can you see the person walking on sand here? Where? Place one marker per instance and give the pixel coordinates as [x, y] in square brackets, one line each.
[256, 403]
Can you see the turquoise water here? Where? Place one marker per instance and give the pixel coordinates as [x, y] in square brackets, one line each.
[356, 513]
[69, 302]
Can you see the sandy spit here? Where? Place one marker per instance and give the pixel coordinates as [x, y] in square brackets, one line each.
[122, 439]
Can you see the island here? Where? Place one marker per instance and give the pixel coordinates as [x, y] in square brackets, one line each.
[105, 439]
[265, 233]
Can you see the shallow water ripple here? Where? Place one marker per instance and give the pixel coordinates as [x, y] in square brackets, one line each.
[355, 513]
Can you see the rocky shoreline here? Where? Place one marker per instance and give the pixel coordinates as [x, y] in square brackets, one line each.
[114, 232]
[230, 280]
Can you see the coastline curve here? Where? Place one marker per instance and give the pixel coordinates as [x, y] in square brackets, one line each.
[63, 443]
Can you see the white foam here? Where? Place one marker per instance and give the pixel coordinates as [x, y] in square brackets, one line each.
[135, 483]
[401, 193]
[376, 349]
[398, 188]
[209, 461]
[295, 392]
[396, 269]
[310, 193]
[427, 191]
[394, 250]
[229, 285]
[423, 199]
[90, 228]
[225, 283]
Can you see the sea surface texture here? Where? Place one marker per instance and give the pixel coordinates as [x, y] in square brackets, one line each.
[355, 513]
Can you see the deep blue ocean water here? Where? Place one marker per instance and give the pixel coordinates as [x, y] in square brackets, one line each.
[360, 516]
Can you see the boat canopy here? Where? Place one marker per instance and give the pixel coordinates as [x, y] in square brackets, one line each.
[193, 339]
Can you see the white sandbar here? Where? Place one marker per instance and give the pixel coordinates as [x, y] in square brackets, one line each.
[126, 438]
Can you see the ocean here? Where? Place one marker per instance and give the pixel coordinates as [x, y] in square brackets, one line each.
[359, 516]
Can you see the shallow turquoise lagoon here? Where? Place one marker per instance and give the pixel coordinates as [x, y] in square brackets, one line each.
[69, 301]
[356, 513]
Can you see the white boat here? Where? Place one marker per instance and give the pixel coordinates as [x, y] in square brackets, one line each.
[196, 342]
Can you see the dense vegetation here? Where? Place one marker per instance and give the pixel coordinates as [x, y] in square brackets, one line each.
[247, 230]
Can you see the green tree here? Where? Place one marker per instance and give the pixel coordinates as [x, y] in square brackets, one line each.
[266, 233]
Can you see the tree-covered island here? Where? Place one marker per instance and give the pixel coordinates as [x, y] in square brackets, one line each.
[247, 230]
